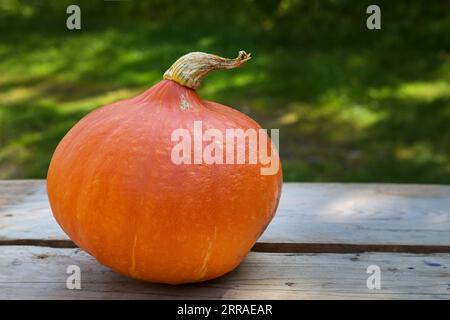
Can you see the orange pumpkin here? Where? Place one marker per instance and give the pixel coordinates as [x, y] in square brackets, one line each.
[115, 190]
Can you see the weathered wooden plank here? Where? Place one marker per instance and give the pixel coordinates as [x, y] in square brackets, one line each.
[309, 214]
[13, 190]
[362, 214]
[25, 213]
[40, 273]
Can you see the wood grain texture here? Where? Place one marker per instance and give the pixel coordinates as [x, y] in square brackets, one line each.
[25, 212]
[40, 273]
[310, 214]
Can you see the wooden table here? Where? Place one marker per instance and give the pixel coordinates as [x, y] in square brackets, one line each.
[319, 246]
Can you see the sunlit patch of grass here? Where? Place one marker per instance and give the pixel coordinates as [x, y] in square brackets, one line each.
[424, 91]
[421, 153]
[216, 84]
[91, 103]
[361, 116]
[348, 110]
[11, 160]
[17, 94]
[287, 118]
[415, 91]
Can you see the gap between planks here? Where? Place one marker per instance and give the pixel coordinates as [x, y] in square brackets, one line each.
[270, 247]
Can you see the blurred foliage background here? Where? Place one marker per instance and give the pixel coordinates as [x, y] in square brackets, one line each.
[351, 104]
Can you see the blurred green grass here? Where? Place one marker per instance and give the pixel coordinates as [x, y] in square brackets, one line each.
[351, 104]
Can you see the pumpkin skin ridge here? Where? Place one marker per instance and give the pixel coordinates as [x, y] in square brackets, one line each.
[143, 207]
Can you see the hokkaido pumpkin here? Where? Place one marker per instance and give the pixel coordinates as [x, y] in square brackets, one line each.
[115, 190]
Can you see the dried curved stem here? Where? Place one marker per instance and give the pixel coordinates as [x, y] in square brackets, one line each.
[190, 69]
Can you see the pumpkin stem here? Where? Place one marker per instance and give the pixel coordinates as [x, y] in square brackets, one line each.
[191, 68]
